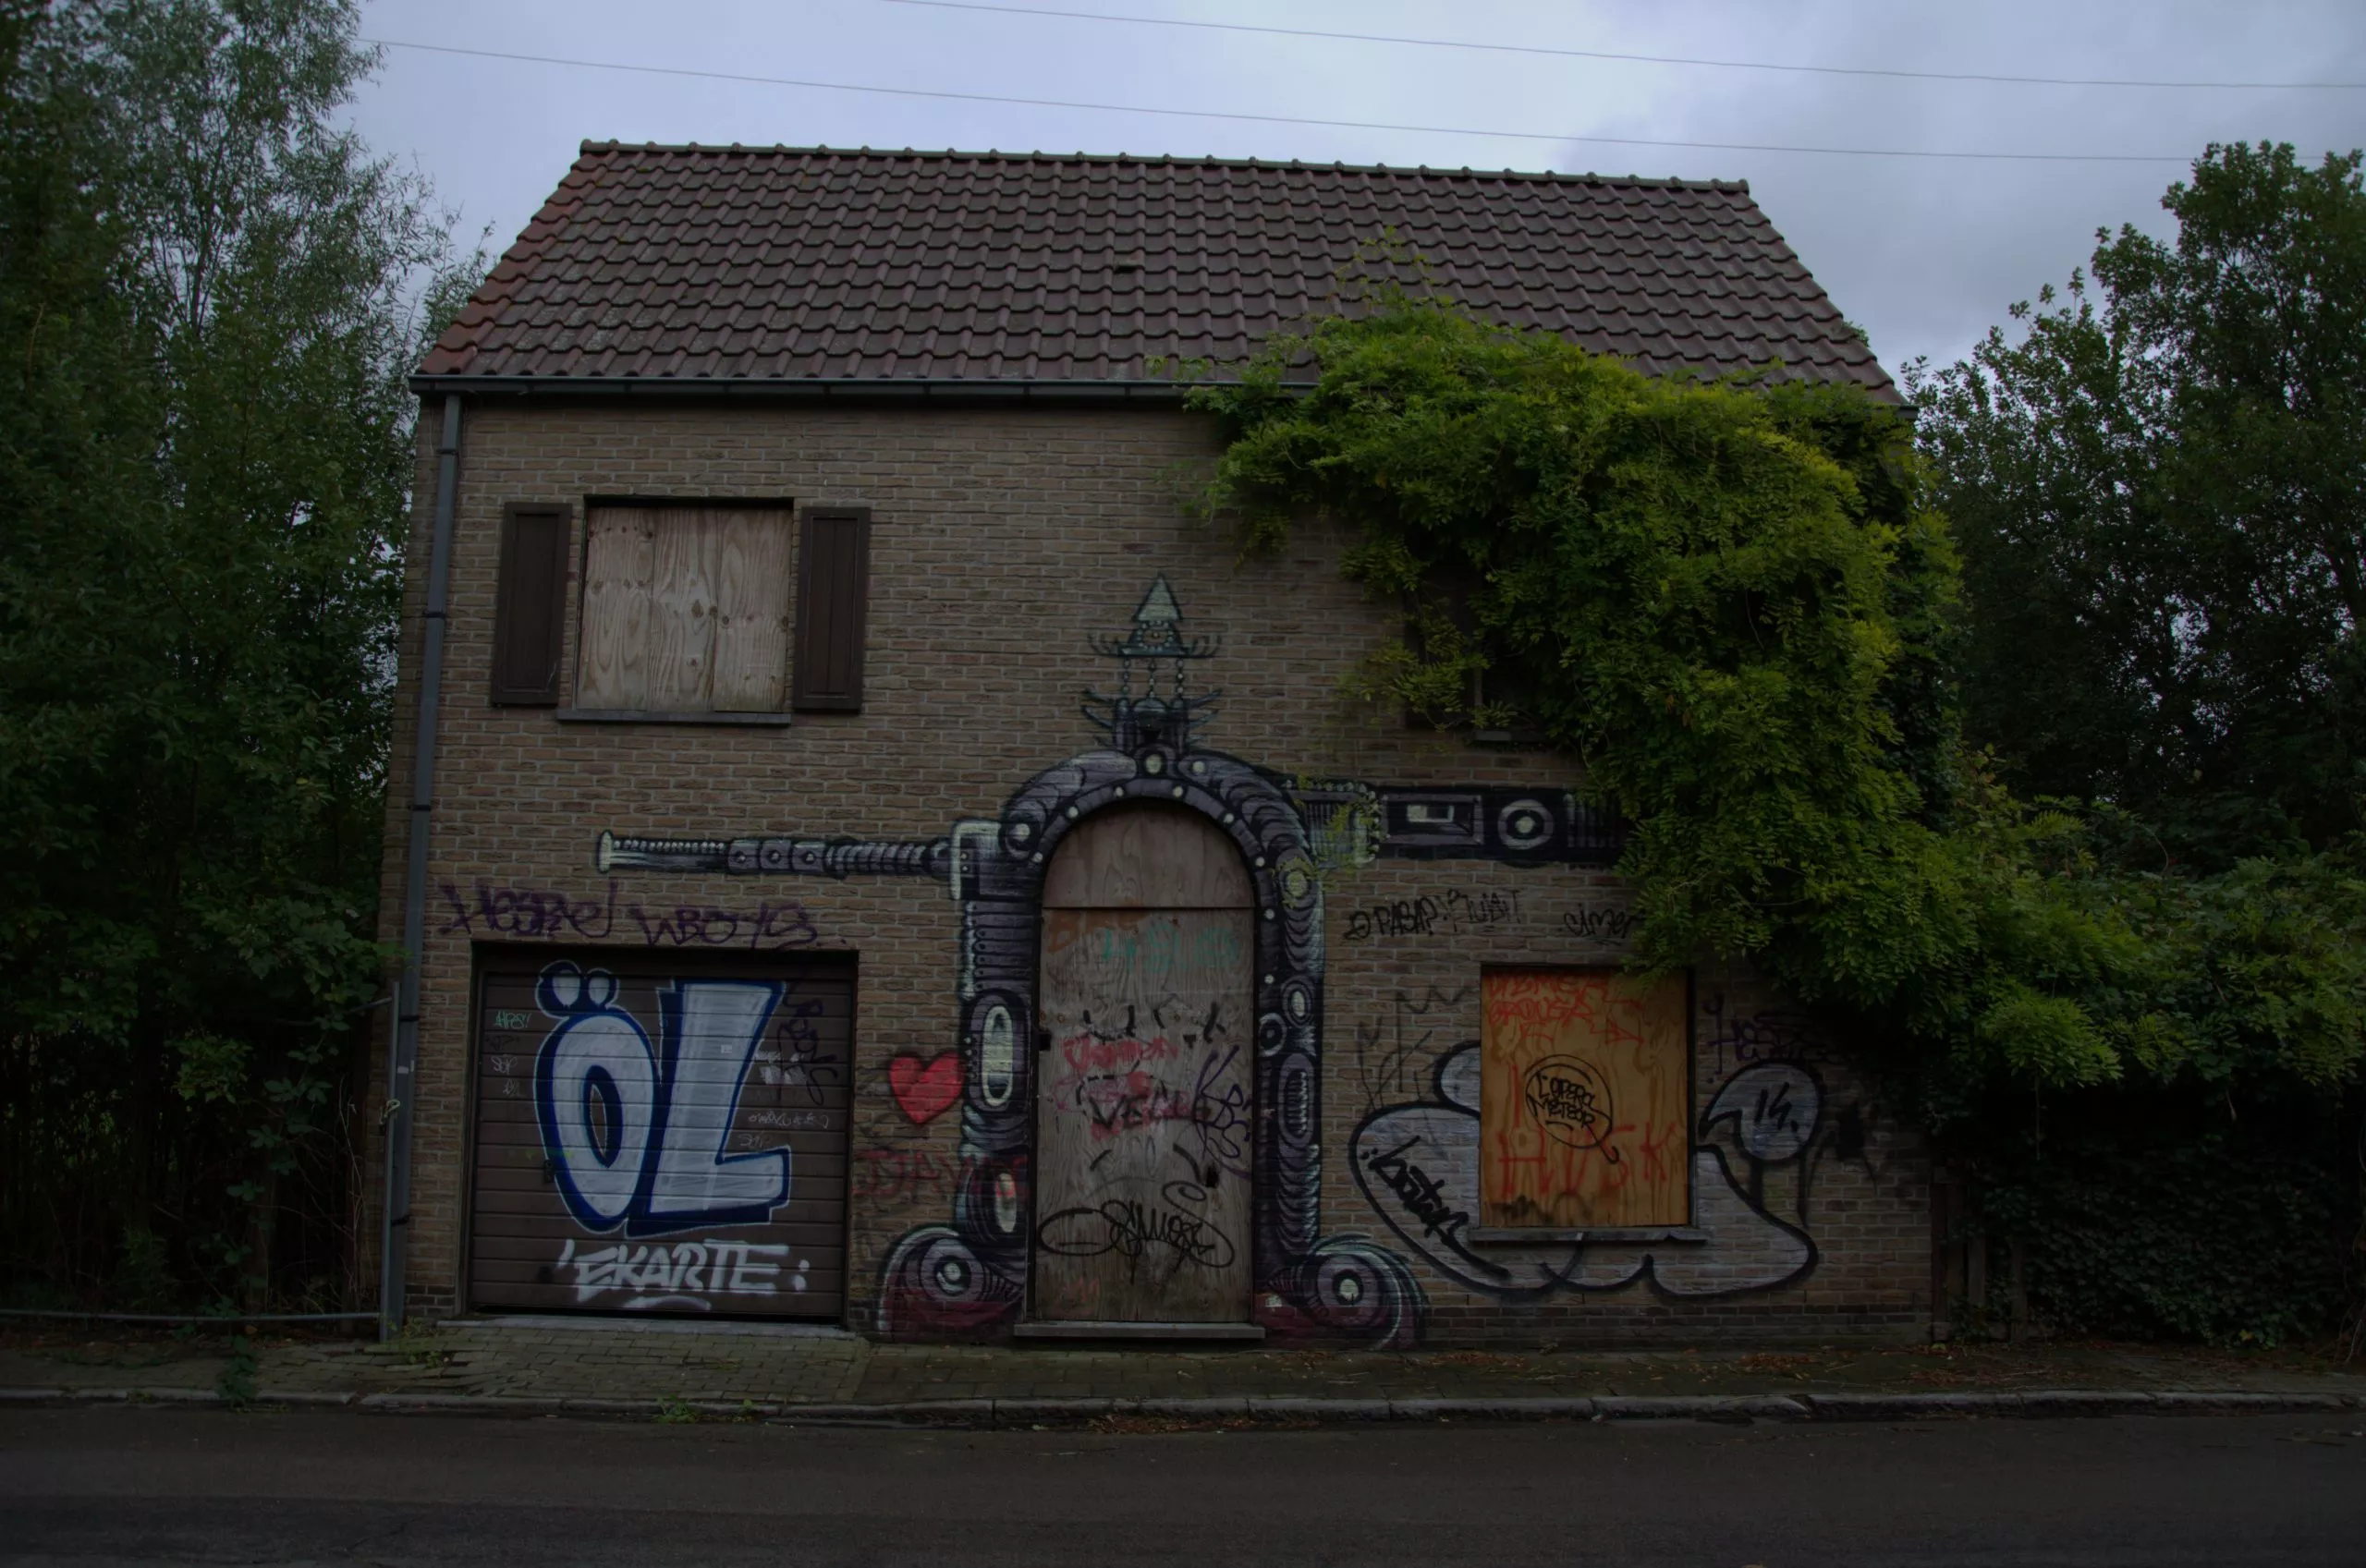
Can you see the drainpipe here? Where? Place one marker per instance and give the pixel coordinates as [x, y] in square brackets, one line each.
[402, 1054]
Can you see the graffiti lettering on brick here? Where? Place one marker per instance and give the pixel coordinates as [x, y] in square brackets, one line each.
[893, 1175]
[1396, 1052]
[1738, 1038]
[1453, 912]
[526, 914]
[1598, 922]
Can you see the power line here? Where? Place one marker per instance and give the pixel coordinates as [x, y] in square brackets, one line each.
[1633, 59]
[1275, 119]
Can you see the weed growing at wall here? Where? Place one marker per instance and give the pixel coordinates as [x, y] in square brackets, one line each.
[237, 1382]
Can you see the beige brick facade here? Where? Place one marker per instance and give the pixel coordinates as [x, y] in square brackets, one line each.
[1003, 539]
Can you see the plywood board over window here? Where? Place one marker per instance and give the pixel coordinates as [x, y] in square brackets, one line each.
[1584, 1102]
[686, 609]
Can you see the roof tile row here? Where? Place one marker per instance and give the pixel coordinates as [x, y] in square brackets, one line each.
[796, 263]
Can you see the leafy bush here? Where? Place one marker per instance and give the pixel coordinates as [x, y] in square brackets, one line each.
[2188, 1227]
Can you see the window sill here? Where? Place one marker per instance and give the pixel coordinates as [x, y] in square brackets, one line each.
[1484, 1235]
[636, 716]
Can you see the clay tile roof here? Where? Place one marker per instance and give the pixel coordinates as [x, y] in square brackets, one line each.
[792, 264]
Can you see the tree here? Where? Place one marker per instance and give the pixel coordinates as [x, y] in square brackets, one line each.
[208, 300]
[2159, 493]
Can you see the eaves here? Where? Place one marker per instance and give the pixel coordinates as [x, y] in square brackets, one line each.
[876, 390]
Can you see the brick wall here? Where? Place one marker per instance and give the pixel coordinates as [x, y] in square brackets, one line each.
[1001, 541]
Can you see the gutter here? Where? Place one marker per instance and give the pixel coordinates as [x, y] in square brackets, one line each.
[899, 389]
[402, 1058]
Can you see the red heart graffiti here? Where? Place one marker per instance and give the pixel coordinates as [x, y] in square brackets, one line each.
[925, 1091]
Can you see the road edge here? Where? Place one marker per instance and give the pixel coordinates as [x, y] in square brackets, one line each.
[2040, 1404]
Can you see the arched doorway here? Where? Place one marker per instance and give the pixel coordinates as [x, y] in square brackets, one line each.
[1144, 1138]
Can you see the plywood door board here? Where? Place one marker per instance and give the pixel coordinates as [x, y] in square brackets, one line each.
[1144, 1116]
[1147, 857]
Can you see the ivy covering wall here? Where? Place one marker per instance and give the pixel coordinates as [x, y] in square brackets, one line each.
[1737, 608]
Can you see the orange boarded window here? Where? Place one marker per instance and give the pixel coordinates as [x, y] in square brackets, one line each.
[1584, 1102]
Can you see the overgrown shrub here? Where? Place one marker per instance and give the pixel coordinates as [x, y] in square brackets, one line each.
[2161, 1217]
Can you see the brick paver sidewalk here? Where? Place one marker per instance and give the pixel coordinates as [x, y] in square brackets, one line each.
[661, 1365]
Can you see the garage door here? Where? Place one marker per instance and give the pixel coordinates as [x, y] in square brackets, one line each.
[658, 1136]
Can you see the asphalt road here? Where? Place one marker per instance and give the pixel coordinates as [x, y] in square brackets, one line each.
[100, 1485]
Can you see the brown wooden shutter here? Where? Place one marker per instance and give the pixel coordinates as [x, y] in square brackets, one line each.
[531, 608]
[833, 589]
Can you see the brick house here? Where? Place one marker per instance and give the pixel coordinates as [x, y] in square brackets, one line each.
[881, 862]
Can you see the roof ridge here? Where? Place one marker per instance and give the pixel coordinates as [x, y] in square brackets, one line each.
[1424, 171]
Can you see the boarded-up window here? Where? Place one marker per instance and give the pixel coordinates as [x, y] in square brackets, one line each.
[1584, 1102]
[530, 604]
[685, 609]
[833, 587]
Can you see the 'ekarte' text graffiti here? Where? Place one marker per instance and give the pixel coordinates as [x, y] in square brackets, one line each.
[687, 1274]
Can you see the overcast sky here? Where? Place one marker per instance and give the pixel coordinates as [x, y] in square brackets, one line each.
[1925, 252]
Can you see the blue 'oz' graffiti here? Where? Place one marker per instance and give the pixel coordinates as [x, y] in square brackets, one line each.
[640, 1136]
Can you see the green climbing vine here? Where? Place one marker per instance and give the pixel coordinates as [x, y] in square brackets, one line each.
[1731, 602]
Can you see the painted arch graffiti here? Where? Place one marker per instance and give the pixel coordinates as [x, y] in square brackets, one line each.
[968, 1273]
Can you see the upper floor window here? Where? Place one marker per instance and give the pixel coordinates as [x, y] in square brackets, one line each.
[688, 608]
